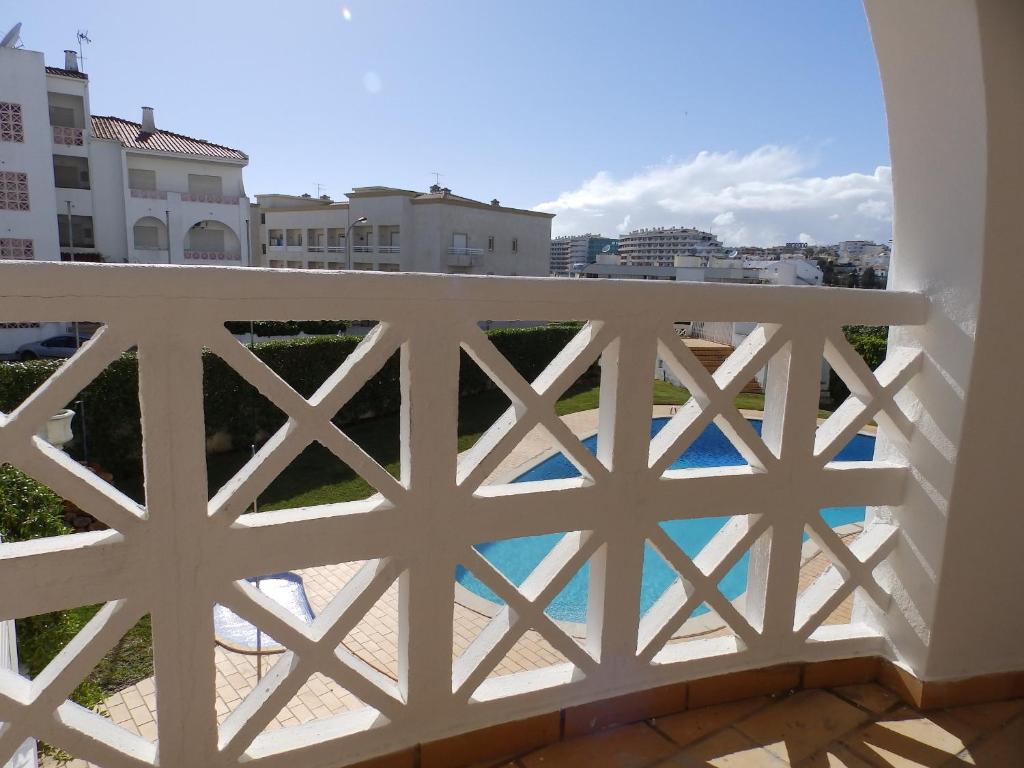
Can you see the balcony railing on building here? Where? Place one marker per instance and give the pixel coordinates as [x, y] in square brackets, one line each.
[182, 552]
[213, 256]
[68, 136]
[464, 257]
[206, 197]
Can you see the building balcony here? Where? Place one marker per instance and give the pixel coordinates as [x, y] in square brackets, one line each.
[363, 249]
[148, 194]
[832, 594]
[213, 256]
[464, 257]
[389, 249]
[199, 197]
[68, 136]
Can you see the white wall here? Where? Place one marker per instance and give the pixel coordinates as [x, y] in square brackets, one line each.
[23, 81]
[951, 71]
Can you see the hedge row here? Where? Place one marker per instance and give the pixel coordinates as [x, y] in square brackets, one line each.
[288, 327]
[235, 408]
[871, 343]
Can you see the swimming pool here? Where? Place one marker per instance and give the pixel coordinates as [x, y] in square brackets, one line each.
[516, 558]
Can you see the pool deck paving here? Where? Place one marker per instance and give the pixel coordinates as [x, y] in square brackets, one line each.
[374, 639]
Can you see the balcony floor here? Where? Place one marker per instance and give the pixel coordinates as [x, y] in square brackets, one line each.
[859, 726]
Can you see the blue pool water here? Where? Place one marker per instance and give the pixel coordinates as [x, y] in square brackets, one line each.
[516, 558]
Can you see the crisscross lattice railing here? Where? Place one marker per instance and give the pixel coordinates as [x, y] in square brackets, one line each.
[182, 552]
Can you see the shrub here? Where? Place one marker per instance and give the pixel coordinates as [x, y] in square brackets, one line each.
[29, 510]
[871, 343]
[234, 407]
[287, 327]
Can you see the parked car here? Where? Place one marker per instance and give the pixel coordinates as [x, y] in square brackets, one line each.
[55, 346]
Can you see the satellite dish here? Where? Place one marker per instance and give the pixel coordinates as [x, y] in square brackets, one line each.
[11, 38]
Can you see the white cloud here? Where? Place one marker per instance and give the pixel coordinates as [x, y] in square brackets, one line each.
[766, 197]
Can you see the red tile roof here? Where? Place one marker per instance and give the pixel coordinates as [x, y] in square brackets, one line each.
[131, 136]
[66, 73]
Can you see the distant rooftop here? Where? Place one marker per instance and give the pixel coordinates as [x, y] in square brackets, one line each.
[67, 73]
[131, 135]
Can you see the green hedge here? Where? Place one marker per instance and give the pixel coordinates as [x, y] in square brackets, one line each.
[234, 407]
[29, 510]
[288, 327]
[871, 343]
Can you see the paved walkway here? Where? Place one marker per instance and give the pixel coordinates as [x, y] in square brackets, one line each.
[375, 638]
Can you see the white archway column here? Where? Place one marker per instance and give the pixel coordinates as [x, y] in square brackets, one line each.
[952, 71]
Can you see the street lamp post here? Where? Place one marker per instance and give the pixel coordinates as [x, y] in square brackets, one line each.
[348, 241]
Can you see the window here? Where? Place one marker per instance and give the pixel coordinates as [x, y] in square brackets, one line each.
[147, 237]
[13, 191]
[263, 218]
[389, 268]
[81, 231]
[490, 244]
[62, 116]
[16, 249]
[140, 178]
[515, 245]
[11, 128]
[460, 240]
[263, 248]
[70, 172]
[276, 264]
[363, 266]
[200, 184]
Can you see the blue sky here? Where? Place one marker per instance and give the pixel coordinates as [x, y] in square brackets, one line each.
[595, 110]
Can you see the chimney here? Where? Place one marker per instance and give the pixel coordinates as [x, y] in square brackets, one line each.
[71, 61]
[148, 122]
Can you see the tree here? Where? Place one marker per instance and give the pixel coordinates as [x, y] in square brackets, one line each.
[868, 278]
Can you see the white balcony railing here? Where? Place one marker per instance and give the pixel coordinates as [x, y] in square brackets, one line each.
[212, 256]
[362, 249]
[389, 249]
[182, 552]
[149, 194]
[201, 197]
[315, 248]
[335, 248]
[67, 136]
[464, 257]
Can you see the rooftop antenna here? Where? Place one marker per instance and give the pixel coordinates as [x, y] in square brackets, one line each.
[437, 177]
[11, 38]
[83, 37]
[319, 188]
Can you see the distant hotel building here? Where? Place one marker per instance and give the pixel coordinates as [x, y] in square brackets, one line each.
[404, 231]
[570, 254]
[664, 246]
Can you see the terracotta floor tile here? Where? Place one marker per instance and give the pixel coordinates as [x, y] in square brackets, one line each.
[1005, 747]
[633, 746]
[836, 756]
[908, 738]
[686, 727]
[871, 697]
[988, 717]
[800, 725]
[727, 749]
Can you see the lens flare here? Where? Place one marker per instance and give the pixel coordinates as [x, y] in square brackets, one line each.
[372, 82]
[346, 14]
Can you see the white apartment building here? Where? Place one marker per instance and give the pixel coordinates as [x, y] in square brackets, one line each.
[854, 251]
[561, 248]
[659, 246]
[403, 231]
[80, 187]
[716, 270]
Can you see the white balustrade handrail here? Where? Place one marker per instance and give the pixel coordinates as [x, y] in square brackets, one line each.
[149, 194]
[182, 553]
[212, 255]
[389, 249]
[204, 197]
[68, 136]
[362, 249]
[453, 251]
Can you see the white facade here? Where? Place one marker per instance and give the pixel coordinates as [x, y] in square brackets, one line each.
[404, 231]
[857, 250]
[689, 269]
[560, 251]
[77, 187]
[658, 247]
